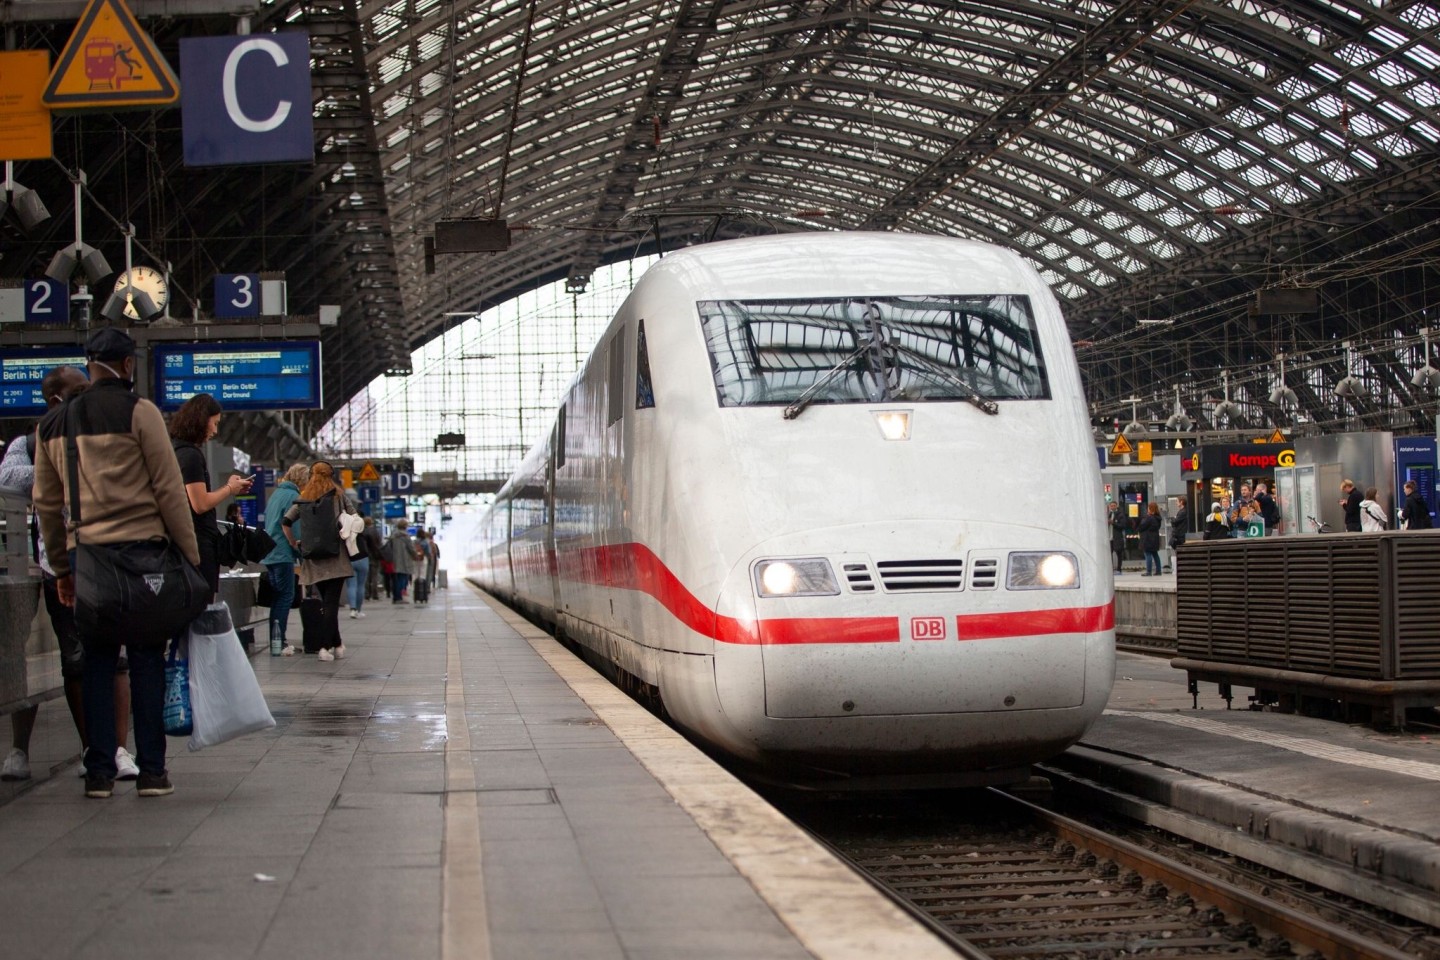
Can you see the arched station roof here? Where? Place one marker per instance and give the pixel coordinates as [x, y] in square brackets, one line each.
[1162, 164]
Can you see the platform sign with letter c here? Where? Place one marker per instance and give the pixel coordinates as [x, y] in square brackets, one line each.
[237, 295]
[246, 99]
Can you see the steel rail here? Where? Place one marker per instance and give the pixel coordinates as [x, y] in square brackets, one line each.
[1333, 941]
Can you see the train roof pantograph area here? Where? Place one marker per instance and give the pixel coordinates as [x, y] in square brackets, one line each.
[1208, 186]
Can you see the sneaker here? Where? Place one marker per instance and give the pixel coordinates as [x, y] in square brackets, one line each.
[354, 613]
[287, 651]
[340, 652]
[17, 766]
[98, 787]
[154, 785]
[360, 614]
[325, 655]
[125, 768]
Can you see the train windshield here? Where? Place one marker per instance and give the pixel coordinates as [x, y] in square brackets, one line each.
[867, 350]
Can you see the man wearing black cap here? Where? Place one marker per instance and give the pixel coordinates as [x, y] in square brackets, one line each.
[130, 489]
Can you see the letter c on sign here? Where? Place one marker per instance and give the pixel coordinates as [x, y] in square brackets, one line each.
[232, 104]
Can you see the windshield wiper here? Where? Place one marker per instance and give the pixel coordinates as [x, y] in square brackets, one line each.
[969, 393]
[799, 404]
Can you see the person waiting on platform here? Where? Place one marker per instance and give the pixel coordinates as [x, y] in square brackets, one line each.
[1150, 539]
[194, 423]
[1179, 527]
[1117, 535]
[1417, 512]
[17, 473]
[403, 556]
[1216, 527]
[327, 569]
[1351, 502]
[1373, 517]
[280, 562]
[1269, 509]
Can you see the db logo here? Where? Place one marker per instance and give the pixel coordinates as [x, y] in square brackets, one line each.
[927, 628]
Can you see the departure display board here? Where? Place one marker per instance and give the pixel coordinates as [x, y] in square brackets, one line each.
[23, 369]
[264, 375]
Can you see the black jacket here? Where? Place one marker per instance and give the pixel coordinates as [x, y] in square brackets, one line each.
[1417, 514]
[1150, 533]
[1179, 526]
[1352, 510]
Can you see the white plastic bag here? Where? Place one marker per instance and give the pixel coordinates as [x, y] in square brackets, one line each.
[225, 697]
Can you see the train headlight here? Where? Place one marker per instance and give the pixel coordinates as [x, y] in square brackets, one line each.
[795, 578]
[894, 424]
[1043, 571]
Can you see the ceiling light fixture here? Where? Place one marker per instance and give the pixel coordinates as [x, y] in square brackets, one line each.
[1227, 408]
[1350, 386]
[1179, 420]
[1426, 376]
[1283, 396]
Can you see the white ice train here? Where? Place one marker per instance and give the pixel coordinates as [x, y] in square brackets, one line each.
[834, 497]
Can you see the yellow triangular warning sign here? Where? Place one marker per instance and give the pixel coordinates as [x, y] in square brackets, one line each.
[110, 62]
[368, 474]
[1121, 446]
[1277, 436]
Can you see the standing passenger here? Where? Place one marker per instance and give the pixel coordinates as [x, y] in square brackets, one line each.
[1417, 512]
[17, 472]
[195, 423]
[326, 574]
[130, 490]
[359, 552]
[404, 556]
[1373, 518]
[280, 562]
[1150, 539]
[1179, 527]
[1215, 526]
[1351, 502]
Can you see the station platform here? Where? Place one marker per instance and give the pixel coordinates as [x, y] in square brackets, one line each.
[458, 786]
[1346, 806]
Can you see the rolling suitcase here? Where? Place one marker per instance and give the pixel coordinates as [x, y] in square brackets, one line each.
[422, 590]
[311, 624]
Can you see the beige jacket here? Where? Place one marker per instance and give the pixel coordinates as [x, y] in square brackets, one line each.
[130, 486]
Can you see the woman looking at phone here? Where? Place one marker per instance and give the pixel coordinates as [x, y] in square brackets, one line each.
[193, 424]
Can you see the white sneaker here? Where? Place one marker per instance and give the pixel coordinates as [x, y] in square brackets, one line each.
[17, 766]
[325, 655]
[354, 613]
[340, 652]
[287, 651]
[125, 768]
[361, 614]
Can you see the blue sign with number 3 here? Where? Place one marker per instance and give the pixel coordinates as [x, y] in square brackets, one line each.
[237, 295]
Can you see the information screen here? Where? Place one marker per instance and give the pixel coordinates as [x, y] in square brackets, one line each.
[21, 372]
[274, 375]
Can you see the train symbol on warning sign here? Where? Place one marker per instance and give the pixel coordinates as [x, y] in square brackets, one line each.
[108, 65]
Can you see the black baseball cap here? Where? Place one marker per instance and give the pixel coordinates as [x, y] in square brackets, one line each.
[109, 343]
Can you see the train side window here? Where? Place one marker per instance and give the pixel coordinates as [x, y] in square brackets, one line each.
[560, 437]
[644, 392]
[617, 378]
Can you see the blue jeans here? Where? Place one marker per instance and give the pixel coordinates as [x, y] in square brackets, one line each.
[402, 580]
[1152, 556]
[147, 706]
[282, 581]
[356, 584]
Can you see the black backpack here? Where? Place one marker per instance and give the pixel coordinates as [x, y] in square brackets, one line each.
[319, 528]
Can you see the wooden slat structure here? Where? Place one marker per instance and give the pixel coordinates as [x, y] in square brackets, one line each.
[1312, 622]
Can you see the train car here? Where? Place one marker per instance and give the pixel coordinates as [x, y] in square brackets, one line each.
[833, 497]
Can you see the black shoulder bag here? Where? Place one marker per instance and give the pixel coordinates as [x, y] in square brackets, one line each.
[142, 591]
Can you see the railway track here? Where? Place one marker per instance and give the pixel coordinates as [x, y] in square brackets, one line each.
[1002, 878]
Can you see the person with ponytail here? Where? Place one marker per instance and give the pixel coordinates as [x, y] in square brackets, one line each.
[322, 497]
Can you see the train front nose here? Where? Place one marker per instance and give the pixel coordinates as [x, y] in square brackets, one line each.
[993, 623]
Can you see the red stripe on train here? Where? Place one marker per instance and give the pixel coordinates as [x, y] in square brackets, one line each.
[634, 566]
